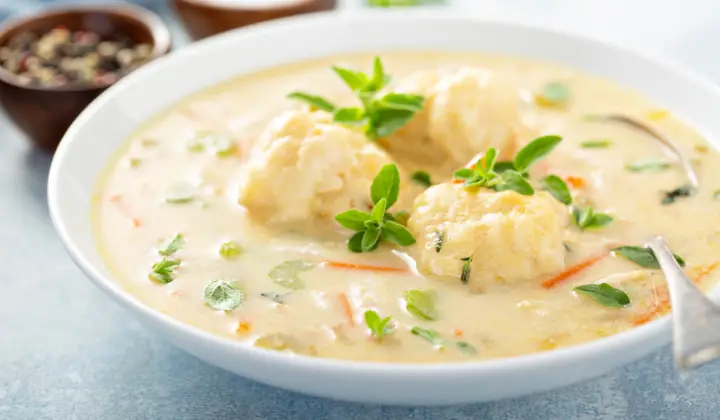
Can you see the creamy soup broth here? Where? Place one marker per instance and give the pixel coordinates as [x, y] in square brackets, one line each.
[132, 219]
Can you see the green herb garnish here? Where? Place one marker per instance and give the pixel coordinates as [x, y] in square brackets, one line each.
[672, 196]
[163, 270]
[648, 165]
[605, 294]
[438, 241]
[230, 250]
[716, 195]
[224, 146]
[512, 177]
[596, 144]
[466, 267]
[377, 225]
[379, 327]
[402, 217]
[315, 102]
[553, 94]
[287, 273]
[422, 178]
[643, 257]
[379, 116]
[224, 295]
[421, 303]
[466, 347]
[430, 335]
[558, 189]
[587, 218]
[171, 245]
[484, 176]
[534, 151]
[181, 193]
[195, 145]
[275, 297]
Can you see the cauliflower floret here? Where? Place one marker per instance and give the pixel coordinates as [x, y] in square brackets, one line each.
[466, 112]
[304, 168]
[511, 237]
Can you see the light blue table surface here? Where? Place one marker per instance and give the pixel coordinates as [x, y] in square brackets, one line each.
[68, 352]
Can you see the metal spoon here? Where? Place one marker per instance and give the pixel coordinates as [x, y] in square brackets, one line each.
[667, 144]
[696, 319]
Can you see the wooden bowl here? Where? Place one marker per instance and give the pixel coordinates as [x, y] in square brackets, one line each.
[45, 113]
[203, 18]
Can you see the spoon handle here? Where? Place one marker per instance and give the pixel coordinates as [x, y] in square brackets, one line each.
[696, 320]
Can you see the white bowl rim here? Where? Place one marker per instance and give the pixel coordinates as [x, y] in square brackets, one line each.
[603, 346]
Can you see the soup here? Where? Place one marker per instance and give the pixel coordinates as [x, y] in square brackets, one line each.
[465, 208]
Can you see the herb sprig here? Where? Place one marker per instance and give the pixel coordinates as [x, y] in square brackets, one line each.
[172, 245]
[483, 173]
[379, 327]
[379, 116]
[436, 340]
[378, 224]
[588, 218]
[163, 271]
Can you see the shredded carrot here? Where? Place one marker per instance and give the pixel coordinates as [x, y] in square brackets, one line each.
[457, 181]
[457, 332]
[117, 199]
[704, 271]
[663, 305]
[350, 266]
[345, 302]
[571, 271]
[243, 327]
[575, 181]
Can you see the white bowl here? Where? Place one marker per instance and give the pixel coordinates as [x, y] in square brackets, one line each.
[102, 127]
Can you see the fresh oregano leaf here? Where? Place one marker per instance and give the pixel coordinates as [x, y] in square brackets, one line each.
[534, 151]
[386, 185]
[558, 189]
[605, 294]
[643, 257]
[421, 303]
[171, 245]
[317, 102]
[224, 295]
[287, 273]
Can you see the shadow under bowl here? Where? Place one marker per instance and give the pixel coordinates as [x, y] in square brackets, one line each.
[204, 18]
[45, 113]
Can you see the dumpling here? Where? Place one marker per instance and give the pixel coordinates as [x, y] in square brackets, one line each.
[512, 238]
[466, 112]
[304, 168]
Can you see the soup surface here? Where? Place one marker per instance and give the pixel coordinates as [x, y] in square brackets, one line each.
[220, 212]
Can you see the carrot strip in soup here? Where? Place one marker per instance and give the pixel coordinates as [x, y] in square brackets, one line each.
[573, 270]
[663, 305]
[575, 181]
[347, 308]
[350, 266]
[117, 199]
